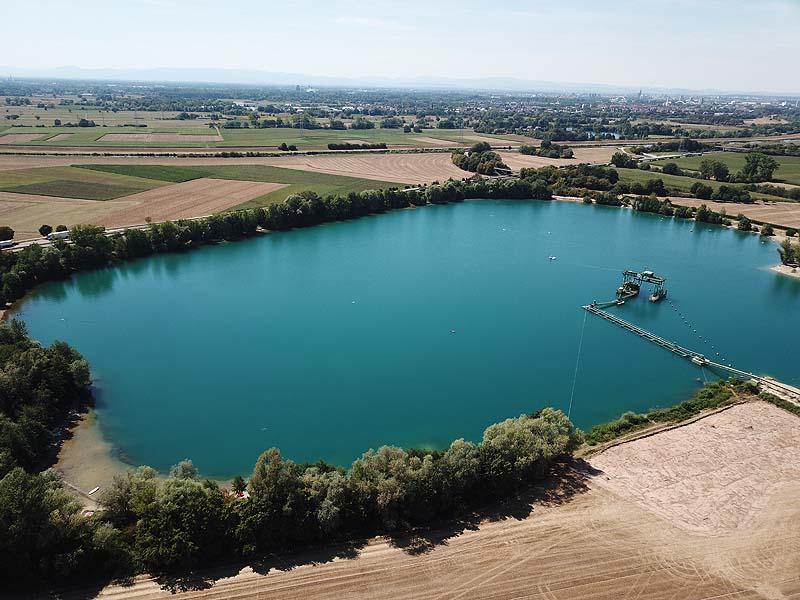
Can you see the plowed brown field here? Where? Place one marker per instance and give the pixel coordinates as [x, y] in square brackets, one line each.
[603, 535]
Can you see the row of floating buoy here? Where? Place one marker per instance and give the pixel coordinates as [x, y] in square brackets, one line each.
[689, 325]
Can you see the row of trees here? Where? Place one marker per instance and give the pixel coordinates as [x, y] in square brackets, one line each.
[354, 146]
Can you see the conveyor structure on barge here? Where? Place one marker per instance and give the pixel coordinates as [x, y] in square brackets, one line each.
[697, 358]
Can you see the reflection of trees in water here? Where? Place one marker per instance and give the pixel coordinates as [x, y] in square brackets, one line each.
[785, 286]
[95, 283]
[56, 291]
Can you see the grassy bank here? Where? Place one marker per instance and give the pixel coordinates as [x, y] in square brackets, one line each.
[711, 396]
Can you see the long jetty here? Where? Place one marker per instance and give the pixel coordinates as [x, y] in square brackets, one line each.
[778, 388]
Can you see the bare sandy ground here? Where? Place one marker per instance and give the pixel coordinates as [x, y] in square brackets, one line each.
[707, 510]
[24, 213]
[712, 476]
[786, 214]
[158, 137]
[86, 460]
[17, 138]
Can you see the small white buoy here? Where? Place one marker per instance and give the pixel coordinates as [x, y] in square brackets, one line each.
[452, 331]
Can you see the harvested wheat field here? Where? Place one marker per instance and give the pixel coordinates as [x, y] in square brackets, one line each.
[158, 137]
[24, 213]
[17, 138]
[436, 143]
[403, 168]
[702, 511]
[518, 161]
[786, 214]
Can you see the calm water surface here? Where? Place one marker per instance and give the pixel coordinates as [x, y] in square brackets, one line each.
[411, 328]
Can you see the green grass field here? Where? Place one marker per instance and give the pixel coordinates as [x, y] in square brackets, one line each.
[72, 182]
[298, 181]
[788, 172]
[683, 184]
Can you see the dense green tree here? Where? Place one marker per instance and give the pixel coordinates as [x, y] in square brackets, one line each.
[757, 167]
[701, 190]
[45, 538]
[671, 168]
[45, 230]
[622, 160]
[714, 169]
[744, 224]
[6, 233]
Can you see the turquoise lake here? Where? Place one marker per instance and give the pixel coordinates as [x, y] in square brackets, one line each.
[411, 328]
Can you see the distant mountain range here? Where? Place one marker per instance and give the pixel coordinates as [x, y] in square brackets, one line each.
[255, 77]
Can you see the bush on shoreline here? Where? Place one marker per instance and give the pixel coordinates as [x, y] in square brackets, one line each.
[712, 395]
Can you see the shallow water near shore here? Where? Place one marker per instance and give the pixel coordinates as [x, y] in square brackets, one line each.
[411, 328]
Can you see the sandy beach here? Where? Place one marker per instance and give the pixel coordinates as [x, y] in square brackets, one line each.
[787, 270]
[86, 460]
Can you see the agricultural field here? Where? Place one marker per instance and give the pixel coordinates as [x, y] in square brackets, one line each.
[292, 181]
[599, 155]
[788, 172]
[70, 182]
[192, 134]
[410, 168]
[683, 184]
[120, 195]
[27, 114]
[184, 137]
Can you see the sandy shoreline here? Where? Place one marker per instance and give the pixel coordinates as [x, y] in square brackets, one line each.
[86, 460]
[786, 270]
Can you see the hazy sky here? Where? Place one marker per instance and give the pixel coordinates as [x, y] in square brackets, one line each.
[725, 44]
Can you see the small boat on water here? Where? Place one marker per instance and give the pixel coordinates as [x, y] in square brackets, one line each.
[658, 295]
[552, 257]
